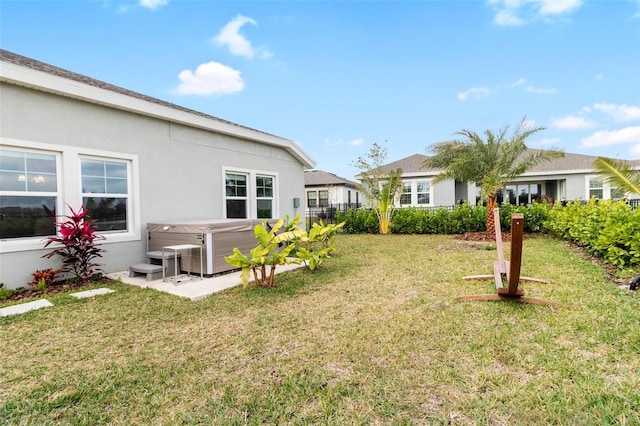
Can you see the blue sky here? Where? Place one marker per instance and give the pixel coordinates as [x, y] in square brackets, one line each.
[336, 77]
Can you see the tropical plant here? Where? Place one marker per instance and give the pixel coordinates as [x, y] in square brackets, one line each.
[316, 245]
[618, 174]
[42, 278]
[75, 243]
[380, 186]
[490, 163]
[268, 252]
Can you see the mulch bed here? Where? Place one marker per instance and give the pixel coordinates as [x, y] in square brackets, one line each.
[31, 293]
[483, 237]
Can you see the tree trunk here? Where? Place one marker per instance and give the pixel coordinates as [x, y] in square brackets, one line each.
[385, 222]
[491, 223]
[255, 275]
[271, 275]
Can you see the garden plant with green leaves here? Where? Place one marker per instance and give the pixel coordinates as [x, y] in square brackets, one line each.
[281, 244]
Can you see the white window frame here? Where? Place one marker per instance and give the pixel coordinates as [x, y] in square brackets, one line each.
[605, 187]
[315, 199]
[107, 194]
[252, 203]
[407, 188]
[70, 189]
[429, 192]
[271, 198]
[413, 184]
[59, 205]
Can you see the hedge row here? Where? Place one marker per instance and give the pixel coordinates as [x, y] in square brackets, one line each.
[610, 229]
[462, 218]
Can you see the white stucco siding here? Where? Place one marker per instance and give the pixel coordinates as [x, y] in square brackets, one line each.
[444, 193]
[179, 170]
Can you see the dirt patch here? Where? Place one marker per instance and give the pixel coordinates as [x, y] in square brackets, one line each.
[482, 237]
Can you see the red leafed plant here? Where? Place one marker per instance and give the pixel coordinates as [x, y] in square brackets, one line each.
[42, 278]
[76, 245]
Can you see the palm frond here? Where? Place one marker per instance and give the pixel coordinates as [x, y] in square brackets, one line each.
[618, 174]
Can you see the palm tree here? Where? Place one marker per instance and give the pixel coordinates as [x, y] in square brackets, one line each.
[618, 174]
[490, 163]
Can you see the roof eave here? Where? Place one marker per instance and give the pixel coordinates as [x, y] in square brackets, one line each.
[38, 80]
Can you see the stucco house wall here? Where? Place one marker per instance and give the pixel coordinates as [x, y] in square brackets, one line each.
[569, 178]
[176, 159]
[339, 191]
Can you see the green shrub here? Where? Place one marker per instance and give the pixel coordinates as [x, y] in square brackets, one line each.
[361, 221]
[462, 218]
[610, 229]
[5, 293]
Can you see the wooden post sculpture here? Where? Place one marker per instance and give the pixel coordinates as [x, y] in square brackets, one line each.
[508, 270]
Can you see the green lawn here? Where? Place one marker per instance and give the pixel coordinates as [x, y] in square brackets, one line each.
[376, 336]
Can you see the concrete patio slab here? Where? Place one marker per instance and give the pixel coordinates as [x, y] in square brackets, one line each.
[194, 288]
[25, 307]
[91, 293]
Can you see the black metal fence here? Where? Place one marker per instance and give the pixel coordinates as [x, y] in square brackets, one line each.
[327, 214]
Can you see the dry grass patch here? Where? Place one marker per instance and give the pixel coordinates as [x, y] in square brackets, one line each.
[373, 337]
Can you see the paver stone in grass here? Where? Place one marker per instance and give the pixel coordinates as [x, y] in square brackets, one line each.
[91, 293]
[25, 307]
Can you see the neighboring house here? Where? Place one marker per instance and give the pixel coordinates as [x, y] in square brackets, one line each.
[325, 190]
[68, 139]
[569, 178]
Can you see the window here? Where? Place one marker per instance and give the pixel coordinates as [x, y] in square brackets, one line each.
[38, 181]
[596, 188]
[264, 197]
[105, 192]
[28, 193]
[617, 193]
[415, 194]
[405, 197]
[324, 198]
[250, 194]
[422, 189]
[236, 195]
[312, 199]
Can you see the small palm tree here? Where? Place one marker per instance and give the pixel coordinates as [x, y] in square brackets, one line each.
[618, 174]
[379, 186]
[490, 163]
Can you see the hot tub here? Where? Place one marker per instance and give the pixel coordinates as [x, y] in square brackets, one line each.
[217, 236]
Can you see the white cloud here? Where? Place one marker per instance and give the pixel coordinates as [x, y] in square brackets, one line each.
[635, 150]
[619, 113]
[520, 12]
[153, 4]
[507, 18]
[570, 122]
[237, 44]
[558, 7]
[356, 142]
[475, 92]
[211, 78]
[541, 90]
[613, 137]
[519, 82]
